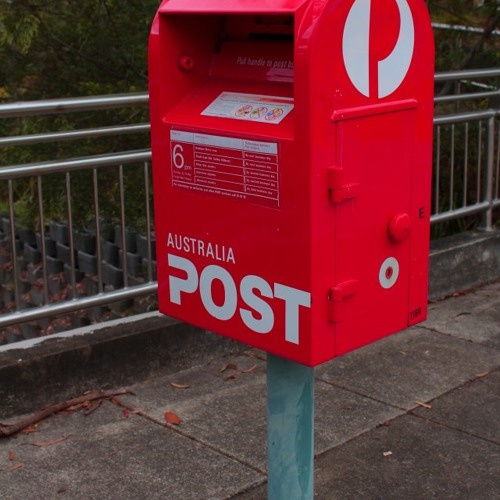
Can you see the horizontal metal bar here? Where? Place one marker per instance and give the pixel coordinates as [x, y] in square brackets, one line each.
[465, 117]
[466, 74]
[459, 27]
[97, 161]
[33, 169]
[466, 97]
[73, 104]
[78, 304]
[477, 208]
[21, 140]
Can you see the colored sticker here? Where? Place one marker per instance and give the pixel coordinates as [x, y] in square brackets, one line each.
[253, 107]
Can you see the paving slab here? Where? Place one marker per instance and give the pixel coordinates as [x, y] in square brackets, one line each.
[227, 409]
[412, 459]
[473, 408]
[108, 455]
[411, 367]
[222, 404]
[474, 316]
[342, 415]
[409, 459]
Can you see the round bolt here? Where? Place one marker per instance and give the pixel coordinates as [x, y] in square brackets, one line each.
[185, 63]
[399, 227]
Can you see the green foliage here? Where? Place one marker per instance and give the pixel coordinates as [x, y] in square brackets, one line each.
[462, 50]
[69, 48]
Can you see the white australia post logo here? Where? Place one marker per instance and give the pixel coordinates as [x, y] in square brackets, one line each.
[356, 43]
[257, 294]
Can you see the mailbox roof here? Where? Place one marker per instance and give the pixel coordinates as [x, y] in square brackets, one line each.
[232, 6]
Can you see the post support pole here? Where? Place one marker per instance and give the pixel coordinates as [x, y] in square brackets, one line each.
[290, 430]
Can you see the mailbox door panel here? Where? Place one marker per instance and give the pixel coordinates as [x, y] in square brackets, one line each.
[226, 266]
[372, 265]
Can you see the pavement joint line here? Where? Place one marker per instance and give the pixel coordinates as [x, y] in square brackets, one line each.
[361, 394]
[463, 385]
[455, 337]
[435, 330]
[387, 423]
[182, 433]
[451, 427]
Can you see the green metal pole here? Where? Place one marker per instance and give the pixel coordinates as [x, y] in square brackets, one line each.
[290, 430]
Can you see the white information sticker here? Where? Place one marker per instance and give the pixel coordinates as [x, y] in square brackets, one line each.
[226, 166]
[250, 107]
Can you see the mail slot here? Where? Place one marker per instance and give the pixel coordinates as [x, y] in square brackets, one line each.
[292, 149]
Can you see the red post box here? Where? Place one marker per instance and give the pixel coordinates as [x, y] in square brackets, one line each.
[291, 148]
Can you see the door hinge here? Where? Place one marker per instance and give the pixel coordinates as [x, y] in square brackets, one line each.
[336, 297]
[338, 189]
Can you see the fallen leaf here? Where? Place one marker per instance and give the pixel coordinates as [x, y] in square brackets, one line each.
[70, 409]
[11, 468]
[30, 430]
[172, 418]
[50, 443]
[425, 405]
[229, 366]
[12, 456]
[251, 369]
[127, 412]
[93, 407]
[252, 354]
[231, 377]
[387, 453]
[179, 386]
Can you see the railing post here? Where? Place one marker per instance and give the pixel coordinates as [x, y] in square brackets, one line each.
[487, 221]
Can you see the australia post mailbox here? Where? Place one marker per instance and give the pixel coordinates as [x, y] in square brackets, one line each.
[291, 146]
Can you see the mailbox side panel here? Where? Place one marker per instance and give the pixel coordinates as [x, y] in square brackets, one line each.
[373, 109]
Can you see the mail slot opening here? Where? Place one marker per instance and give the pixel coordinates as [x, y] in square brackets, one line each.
[277, 27]
[247, 53]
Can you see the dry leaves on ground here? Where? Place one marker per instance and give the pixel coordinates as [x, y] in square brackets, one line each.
[424, 405]
[11, 468]
[236, 370]
[179, 386]
[50, 443]
[172, 418]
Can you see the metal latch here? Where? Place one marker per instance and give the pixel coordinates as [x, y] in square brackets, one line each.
[336, 296]
[338, 189]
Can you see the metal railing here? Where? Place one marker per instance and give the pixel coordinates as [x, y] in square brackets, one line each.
[466, 170]
[465, 183]
[467, 147]
[63, 289]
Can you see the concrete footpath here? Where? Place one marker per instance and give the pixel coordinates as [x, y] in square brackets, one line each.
[414, 416]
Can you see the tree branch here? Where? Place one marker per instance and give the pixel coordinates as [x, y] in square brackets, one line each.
[12, 429]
